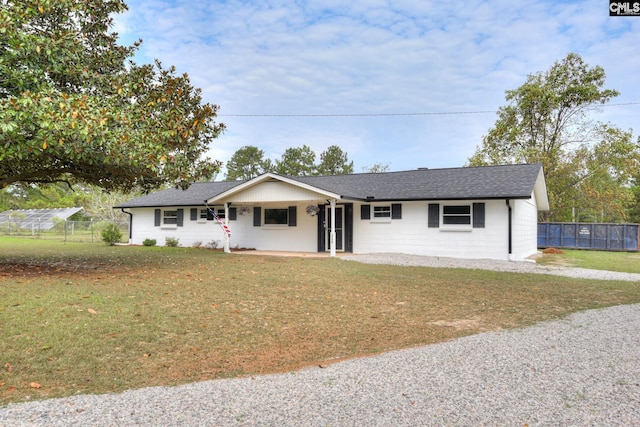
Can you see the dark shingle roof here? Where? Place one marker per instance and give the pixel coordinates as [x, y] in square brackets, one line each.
[490, 182]
[195, 195]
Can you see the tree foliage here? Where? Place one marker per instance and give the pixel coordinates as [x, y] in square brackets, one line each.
[97, 203]
[249, 162]
[75, 107]
[376, 168]
[334, 161]
[246, 163]
[297, 161]
[587, 165]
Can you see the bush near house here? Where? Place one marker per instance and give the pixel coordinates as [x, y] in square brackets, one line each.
[149, 242]
[111, 234]
[173, 242]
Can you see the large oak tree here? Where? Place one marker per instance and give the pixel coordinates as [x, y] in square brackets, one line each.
[75, 107]
[588, 165]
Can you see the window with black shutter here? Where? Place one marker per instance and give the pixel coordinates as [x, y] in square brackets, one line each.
[292, 216]
[257, 216]
[396, 211]
[434, 215]
[365, 211]
[478, 215]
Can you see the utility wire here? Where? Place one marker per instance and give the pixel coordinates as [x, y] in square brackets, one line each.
[450, 113]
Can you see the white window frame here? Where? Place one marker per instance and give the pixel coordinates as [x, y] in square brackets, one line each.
[203, 214]
[456, 227]
[169, 218]
[275, 225]
[381, 213]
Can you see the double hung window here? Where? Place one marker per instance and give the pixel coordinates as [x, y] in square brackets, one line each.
[170, 217]
[456, 215]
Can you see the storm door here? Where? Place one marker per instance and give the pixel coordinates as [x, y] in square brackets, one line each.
[339, 228]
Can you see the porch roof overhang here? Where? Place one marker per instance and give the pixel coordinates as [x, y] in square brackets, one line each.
[271, 187]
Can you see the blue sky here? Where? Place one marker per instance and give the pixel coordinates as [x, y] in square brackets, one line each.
[444, 64]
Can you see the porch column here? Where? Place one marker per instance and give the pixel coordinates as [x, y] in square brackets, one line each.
[227, 248]
[332, 233]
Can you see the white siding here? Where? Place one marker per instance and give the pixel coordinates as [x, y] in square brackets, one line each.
[525, 228]
[192, 231]
[412, 235]
[274, 191]
[299, 238]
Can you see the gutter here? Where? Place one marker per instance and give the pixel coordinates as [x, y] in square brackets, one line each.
[510, 226]
[130, 222]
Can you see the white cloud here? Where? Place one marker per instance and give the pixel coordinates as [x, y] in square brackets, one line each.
[332, 57]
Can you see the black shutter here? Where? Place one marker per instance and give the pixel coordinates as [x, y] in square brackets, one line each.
[158, 218]
[434, 215]
[478, 215]
[396, 211]
[365, 211]
[293, 216]
[348, 227]
[180, 217]
[321, 231]
[233, 214]
[194, 214]
[257, 216]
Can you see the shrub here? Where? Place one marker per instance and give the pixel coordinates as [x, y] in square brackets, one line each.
[111, 234]
[197, 244]
[149, 242]
[212, 244]
[171, 241]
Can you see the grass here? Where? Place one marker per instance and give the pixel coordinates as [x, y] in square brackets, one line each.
[81, 318]
[627, 262]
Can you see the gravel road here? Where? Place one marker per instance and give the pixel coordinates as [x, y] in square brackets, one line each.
[581, 370]
[490, 264]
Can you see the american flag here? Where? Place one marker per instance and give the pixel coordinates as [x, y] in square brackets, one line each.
[220, 221]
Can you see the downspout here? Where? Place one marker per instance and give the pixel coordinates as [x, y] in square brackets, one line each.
[510, 226]
[130, 222]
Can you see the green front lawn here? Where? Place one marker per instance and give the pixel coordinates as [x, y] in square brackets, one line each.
[89, 318]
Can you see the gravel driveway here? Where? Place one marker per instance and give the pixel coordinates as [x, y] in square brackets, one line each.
[581, 370]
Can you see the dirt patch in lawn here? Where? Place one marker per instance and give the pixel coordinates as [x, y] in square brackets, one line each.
[48, 269]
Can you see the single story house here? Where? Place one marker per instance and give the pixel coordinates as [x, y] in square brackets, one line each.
[467, 212]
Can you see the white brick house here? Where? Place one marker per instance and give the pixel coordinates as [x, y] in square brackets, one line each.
[479, 212]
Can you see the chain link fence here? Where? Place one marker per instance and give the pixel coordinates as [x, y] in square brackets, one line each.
[65, 231]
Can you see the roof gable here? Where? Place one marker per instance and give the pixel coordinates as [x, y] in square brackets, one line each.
[270, 187]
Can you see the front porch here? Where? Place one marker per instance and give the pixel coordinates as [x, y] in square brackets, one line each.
[288, 254]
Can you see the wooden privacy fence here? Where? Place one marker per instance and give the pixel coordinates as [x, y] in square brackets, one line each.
[606, 237]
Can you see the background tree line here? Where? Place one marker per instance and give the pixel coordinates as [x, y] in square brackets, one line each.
[592, 169]
[249, 162]
[76, 109]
